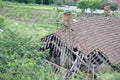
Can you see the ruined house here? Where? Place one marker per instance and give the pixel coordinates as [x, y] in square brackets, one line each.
[91, 40]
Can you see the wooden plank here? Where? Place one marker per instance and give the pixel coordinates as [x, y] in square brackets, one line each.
[51, 63]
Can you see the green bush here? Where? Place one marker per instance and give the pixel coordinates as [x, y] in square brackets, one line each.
[84, 4]
[101, 4]
[19, 56]
[114, 6]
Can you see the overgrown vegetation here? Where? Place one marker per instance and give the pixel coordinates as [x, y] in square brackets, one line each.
[106, 74]
[20, 59]
[1, 21]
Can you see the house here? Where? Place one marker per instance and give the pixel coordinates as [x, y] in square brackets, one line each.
[98, 36]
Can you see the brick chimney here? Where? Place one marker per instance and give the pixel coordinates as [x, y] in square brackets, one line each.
[107, 9]
[67, 19]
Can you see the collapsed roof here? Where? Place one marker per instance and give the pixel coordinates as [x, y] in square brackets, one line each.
[90, 33]
[97, 32]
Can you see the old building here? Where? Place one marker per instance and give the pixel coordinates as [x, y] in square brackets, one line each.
[96, 39]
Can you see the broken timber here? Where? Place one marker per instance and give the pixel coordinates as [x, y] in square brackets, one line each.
[53, 64]
[90, 61]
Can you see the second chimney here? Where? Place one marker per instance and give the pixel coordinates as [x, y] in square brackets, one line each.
[107, 9]
[67, 19]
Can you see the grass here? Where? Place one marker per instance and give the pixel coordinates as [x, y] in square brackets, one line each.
[28, 23]
[28, 6]
[116, 13]
[27, 29]
[23, 26]
[30, 16]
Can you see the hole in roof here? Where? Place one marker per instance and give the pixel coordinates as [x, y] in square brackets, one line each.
[75, 49]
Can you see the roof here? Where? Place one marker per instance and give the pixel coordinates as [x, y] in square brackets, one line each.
[96, 32]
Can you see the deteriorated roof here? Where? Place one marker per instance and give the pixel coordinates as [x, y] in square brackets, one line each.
[96, 32]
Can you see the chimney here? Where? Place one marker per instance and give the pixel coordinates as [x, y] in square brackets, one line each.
[107, 9]
[67, 19]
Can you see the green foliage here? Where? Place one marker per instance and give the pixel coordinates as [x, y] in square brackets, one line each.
[19, 56]
[1, 21]
[118, 65]
[46, 2]
[39, 1]
[114, 6]
[1, 5]
[102, 2]
[95, 4]
[84, 4]
[109, 75]
[79, 76]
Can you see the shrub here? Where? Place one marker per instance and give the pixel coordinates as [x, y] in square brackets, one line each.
[19, 56]
[101, 5]
[84, 4]
[114, 6]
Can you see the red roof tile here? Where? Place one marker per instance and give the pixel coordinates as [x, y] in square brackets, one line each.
[96, 32]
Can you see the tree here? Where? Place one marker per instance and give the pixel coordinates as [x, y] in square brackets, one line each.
[101, 4]
[84, 4]
[47, 2]
[113, 5]
[93, 4]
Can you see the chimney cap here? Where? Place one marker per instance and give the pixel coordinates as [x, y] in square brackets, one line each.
[67, 18]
